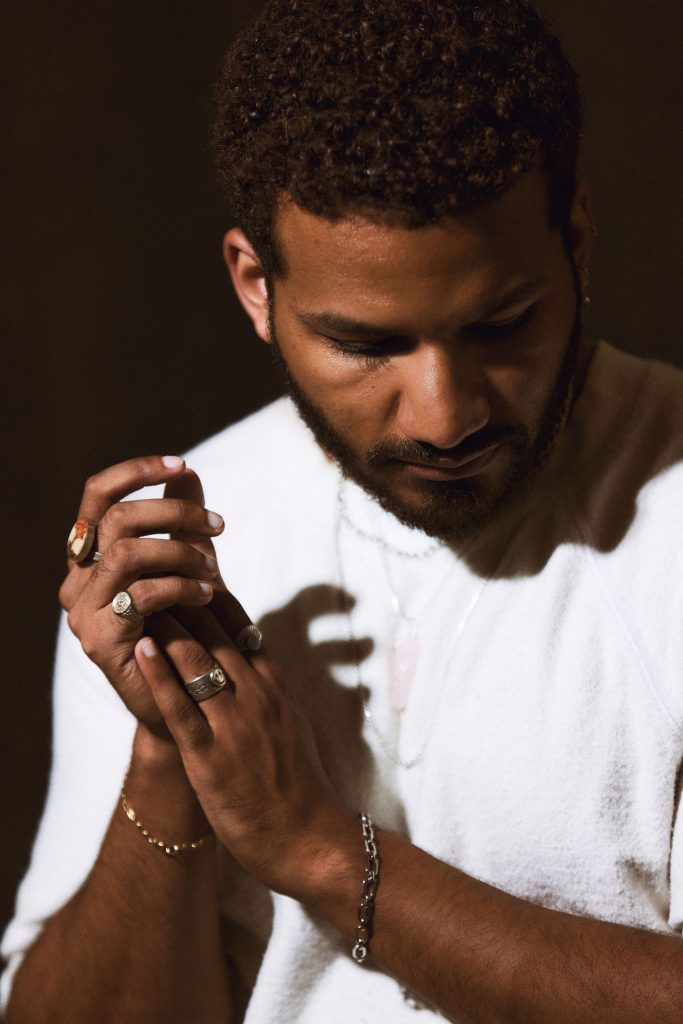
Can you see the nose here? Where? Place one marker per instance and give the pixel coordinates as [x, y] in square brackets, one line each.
[442, 397]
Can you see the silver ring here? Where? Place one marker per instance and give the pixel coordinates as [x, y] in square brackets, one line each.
[249, 639]
[123, 606]
[207, 685]
[97, 556]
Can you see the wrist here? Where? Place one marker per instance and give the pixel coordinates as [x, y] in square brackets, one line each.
[156, 753]
[159, 789]
[326, 868]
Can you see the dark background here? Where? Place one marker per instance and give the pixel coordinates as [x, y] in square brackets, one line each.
[120, 333]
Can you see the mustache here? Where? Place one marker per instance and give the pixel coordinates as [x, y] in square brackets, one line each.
[407, 450]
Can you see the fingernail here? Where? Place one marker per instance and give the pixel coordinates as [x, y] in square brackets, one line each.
[206, 588]
[148, 647]
[172, 461]
[215, 521]
[210, 563]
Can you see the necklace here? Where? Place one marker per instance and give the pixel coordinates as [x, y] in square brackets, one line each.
[377, 539]
[405, 649]
[404, 657]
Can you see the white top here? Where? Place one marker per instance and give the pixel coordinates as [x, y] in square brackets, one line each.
[546, 710]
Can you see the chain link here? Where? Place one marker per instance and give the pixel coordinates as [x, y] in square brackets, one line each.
[368, 891]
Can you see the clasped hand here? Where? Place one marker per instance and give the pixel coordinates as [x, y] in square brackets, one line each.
[248, 753]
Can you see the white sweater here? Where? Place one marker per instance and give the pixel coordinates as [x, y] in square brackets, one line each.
[546, 710]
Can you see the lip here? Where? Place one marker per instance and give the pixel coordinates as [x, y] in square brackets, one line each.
[455, 469]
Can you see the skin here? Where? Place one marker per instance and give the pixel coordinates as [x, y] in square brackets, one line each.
[443, 362]
[245, 762]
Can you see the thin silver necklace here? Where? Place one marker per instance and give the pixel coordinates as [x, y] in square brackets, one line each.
[342, 517]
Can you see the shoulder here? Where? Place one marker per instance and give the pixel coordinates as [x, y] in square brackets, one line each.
[624, 447]
[632, 493]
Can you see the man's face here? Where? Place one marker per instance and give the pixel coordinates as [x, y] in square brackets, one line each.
[435, 365]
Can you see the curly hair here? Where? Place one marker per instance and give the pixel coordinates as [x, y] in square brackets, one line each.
[402, 111]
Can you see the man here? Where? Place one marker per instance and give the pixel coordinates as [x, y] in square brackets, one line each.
[464, 560]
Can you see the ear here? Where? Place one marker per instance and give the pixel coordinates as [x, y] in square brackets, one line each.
[582, 225]
[248, 279]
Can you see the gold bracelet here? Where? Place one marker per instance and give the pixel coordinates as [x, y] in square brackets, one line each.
[170, 848]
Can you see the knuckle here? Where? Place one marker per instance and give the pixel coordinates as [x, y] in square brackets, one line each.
[177, 509]
[115, 516]
[195, 733]
[121, 553]
[272, 671]
[196, 660]
[93, 483]
[89, 644]
[141, 467]
[143, 594]
[65, 595]
[179, 588]
[161, 593]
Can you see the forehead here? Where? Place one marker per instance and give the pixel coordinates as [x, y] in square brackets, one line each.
[357, 260]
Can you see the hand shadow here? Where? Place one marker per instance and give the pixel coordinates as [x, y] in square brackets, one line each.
[333, 708]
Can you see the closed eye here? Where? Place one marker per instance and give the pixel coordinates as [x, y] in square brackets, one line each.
[499, 328]
[385, 348]
[376, 351]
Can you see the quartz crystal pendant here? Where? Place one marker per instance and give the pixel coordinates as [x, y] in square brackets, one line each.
[402, 662]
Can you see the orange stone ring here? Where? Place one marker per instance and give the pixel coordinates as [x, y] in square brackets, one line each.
[81, 540]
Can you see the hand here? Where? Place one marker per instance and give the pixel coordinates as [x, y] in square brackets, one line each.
[249, 755]
[158, 573]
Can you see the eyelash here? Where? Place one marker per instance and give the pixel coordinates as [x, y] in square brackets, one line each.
[381, 352]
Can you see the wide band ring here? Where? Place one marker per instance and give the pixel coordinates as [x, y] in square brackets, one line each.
[249, 639]
[80, 540]
[124, 608]
[207, 685]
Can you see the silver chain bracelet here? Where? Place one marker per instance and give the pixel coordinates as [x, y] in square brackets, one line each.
[368, 891]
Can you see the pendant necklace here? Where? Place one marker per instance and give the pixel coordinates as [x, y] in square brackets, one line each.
[405, 650]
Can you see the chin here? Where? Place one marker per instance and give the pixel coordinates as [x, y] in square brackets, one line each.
[451, 510]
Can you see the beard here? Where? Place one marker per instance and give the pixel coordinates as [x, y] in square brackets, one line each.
[450, 510]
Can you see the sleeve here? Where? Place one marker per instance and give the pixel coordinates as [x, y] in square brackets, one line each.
[674, 672]
[92, 737]
[676, 867]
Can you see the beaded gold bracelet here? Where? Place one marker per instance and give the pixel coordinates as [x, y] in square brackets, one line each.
[172, 849]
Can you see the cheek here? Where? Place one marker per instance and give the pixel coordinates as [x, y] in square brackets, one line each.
[343, 387]
[523, 378]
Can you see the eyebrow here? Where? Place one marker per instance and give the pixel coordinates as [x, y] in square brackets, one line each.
[338, 323]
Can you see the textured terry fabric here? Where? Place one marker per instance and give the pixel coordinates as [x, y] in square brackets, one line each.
[545, 714]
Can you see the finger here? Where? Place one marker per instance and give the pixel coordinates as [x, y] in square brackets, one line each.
[155, 595]
[218, 626]
[130, 558]
[114, 483]
[186, 723]
[100, 630]
[229, 614]
[188, 487]
[156, 515]
[191, 659]
[108, 486]
[185, 485]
